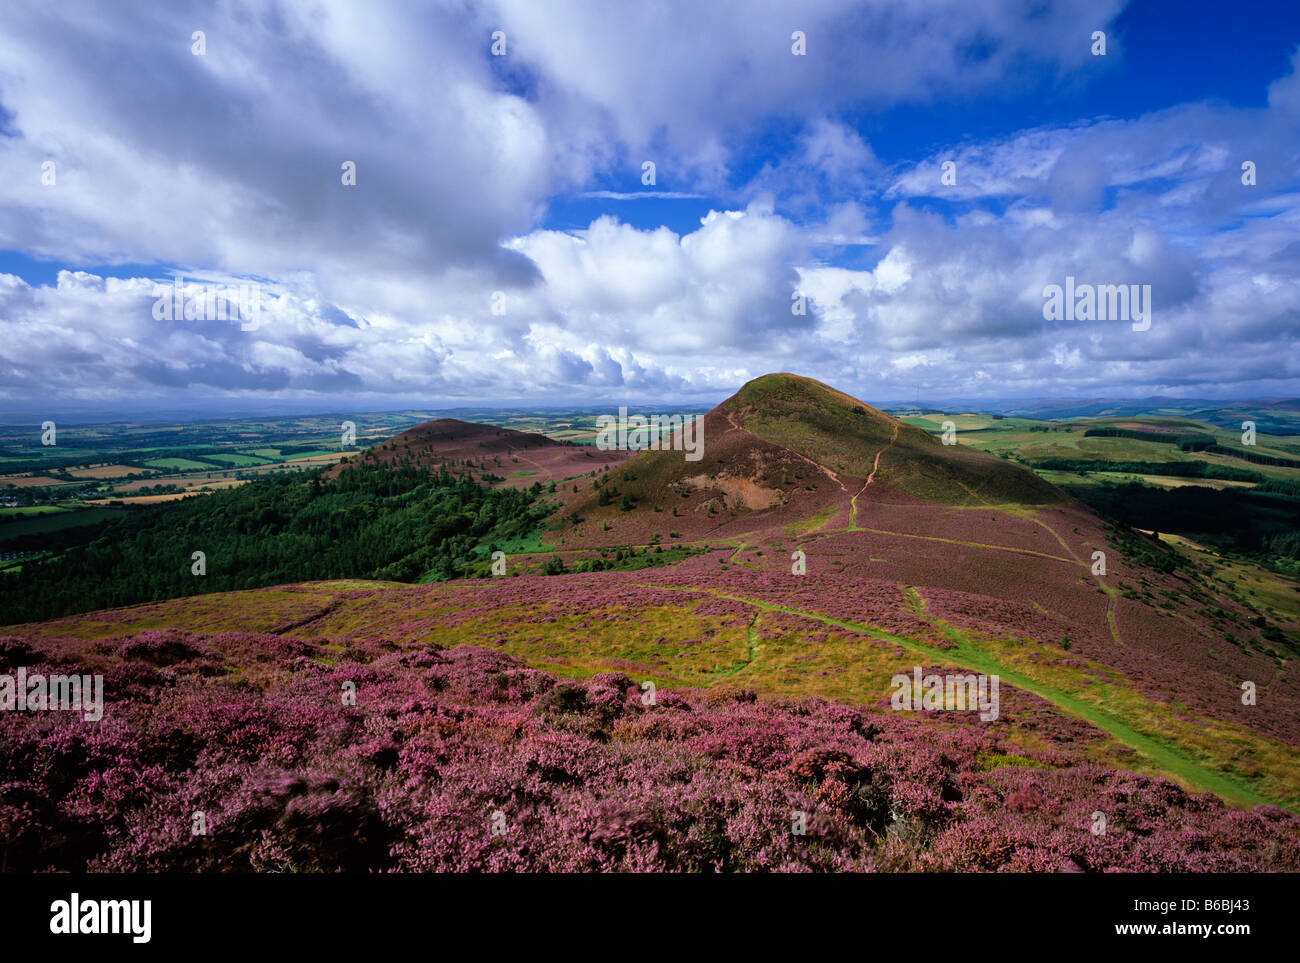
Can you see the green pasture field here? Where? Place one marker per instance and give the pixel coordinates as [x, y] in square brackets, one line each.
[1119, 477]
[184, 464]
[29, 510]
[54, 521]
[236, 459]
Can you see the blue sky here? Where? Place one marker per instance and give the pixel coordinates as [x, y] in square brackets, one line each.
[1174, 52]
[499, 243]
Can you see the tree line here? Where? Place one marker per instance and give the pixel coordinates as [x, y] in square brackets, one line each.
[372, 521]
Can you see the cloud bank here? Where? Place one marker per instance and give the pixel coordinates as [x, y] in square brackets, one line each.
[443, 274]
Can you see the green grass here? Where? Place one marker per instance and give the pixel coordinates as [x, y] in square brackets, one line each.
[1161, 754]
[31, 510]
[922, 422]
[1167, 751]
[235, 459]
[998, 760]
[813, 523]
[183, 464]
[534, 544]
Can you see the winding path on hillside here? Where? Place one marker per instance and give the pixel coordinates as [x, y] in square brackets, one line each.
[1110, 593]
[939, 538]
[1165, 759]
[875, 467]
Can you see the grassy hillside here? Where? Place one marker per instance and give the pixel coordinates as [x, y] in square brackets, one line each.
[847, 435]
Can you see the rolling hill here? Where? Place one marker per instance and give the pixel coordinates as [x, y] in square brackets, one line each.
[786, 447]
[817, 550]
[501, 455]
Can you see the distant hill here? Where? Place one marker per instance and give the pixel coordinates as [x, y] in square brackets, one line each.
[1271, 415]
[488, 453]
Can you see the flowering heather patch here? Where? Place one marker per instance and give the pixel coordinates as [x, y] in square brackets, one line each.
[464, 759]
[1040, 600]
[868, 601]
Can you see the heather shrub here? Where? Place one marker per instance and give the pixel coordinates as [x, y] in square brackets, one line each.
[158, 648]
[15, 652]
[463, 759]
